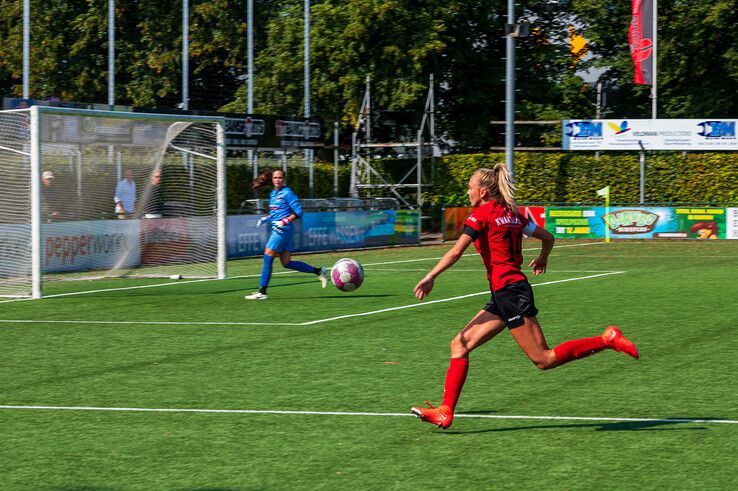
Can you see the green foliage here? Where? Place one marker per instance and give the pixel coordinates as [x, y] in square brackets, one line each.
[697, 72]
[240, 175]
[398, 44]
[575, 177]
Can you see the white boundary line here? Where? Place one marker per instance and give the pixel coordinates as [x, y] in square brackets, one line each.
[352, 413]
[182, 282]
[306, 323]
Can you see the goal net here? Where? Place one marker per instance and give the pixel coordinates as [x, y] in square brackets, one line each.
[97, 194]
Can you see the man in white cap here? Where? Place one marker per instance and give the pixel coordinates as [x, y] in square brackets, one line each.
[49, 204]
[125, 196]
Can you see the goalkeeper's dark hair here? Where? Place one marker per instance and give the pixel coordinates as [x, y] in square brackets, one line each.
[265, 177]
[500, 185]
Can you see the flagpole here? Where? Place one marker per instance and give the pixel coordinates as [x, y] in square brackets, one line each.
[653, 53]
[606, 193]
[607, 214]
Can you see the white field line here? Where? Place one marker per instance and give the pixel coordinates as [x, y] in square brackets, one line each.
[182, 282]
[366, 414]
[307, 323]
[450, 299]
[149, 323]
[481, 268]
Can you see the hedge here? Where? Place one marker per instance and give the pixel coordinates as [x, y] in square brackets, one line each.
[573, 177]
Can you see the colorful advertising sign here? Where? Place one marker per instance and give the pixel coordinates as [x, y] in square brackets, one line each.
[649, 134]
[172, 240]
[637, 222]
[323, 231]
[81, 246]
[242, 236]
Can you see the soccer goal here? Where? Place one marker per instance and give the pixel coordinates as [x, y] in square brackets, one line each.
[100, 194]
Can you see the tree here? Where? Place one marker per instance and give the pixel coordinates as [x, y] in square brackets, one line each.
[697, 57]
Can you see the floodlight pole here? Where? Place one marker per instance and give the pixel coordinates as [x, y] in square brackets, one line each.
[111, 54]
[250, 78]
[510, 90]
[26, 47]
[185, 54]
[308, 152]
[250, 56]
[654, 46]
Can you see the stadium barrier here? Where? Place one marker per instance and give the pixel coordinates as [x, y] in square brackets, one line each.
[624, 222]
[103, 244]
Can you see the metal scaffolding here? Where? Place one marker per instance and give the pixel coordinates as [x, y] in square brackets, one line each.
[364, 177]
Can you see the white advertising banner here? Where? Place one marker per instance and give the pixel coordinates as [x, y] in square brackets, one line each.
[731, 223]
[652, 134]
[81, 246]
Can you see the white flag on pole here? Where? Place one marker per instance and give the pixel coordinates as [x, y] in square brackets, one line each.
[604, 191]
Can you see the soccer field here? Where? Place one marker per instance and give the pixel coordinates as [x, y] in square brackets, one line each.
[159, 384]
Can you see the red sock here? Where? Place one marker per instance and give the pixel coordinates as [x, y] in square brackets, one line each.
[578, 348]
[455, 378]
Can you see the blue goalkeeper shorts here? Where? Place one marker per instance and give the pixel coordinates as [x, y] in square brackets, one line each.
[280, 241]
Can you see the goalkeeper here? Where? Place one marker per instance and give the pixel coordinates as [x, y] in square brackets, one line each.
[284, 208]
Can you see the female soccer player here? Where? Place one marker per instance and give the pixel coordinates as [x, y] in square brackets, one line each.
[284, 208]
[496, 227]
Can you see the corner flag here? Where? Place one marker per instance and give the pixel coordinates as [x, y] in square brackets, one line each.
[606, 193]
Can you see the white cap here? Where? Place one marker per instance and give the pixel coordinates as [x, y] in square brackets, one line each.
[47, 174]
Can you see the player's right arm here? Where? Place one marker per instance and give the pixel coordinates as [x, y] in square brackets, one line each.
[424, 286]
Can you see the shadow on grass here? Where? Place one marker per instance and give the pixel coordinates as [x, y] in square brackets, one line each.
[655, 425]
[207, 289]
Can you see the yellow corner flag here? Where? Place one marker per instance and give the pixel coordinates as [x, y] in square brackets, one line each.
[606, 193]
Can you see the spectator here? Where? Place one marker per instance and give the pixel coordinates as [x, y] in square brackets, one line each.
[49, 198]
[125, 196]
[153, 205]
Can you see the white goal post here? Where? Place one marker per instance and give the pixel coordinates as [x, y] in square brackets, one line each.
[107, 194]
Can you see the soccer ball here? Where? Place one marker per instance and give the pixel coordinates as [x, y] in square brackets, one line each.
[347, 274]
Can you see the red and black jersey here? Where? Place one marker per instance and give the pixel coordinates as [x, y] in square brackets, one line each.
[498, 237]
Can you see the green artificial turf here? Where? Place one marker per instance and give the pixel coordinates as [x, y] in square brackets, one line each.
[329, 378]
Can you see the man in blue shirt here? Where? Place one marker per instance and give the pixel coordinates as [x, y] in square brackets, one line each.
[284, 208]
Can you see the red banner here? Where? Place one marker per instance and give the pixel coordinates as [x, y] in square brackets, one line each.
[641, 41]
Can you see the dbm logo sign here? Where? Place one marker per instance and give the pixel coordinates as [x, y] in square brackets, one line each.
[717, 129]
[584, 129]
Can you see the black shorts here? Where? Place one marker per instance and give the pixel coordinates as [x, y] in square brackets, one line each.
[513, 303]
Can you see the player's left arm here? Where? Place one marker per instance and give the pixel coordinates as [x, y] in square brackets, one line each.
[294, 203]
[540, 263]
[424, 286]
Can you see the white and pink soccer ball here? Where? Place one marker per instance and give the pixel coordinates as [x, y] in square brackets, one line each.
[347, 274]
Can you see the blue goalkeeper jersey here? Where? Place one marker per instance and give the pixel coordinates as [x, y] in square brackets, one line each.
[284, 203]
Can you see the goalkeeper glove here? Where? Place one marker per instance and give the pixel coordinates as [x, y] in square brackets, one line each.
[279, 225]
[261, 221]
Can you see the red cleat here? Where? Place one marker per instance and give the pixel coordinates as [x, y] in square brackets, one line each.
[614, 339]
[441, 416]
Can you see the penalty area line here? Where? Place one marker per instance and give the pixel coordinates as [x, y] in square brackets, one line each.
[368, 414]
[450, 299]
[292, 324]
[199, 280]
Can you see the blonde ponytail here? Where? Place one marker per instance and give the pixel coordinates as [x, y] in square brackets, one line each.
[500, 185]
